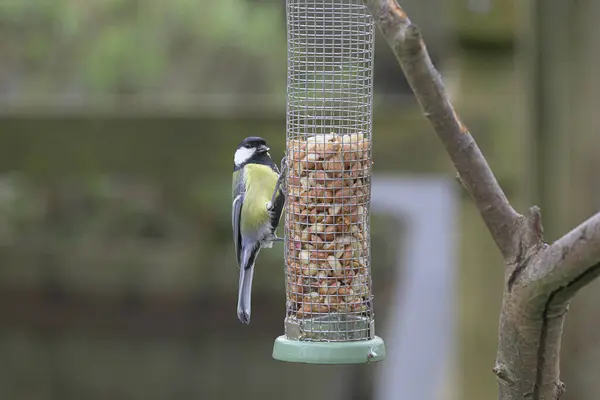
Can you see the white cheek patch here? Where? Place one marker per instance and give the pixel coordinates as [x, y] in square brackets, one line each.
[242, 155]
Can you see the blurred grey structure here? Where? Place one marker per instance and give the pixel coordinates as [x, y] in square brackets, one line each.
[421, 336]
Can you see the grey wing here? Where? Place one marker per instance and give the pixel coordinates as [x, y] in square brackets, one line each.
[277, 209]
[236, 214]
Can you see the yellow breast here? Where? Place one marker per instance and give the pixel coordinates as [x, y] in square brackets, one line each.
[260, 183]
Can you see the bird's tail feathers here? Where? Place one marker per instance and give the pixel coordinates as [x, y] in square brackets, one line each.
[245, 285]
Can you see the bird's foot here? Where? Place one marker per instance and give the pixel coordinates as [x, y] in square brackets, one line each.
[279, 187]
[268, 242]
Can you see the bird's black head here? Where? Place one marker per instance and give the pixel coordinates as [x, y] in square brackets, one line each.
[250, 149]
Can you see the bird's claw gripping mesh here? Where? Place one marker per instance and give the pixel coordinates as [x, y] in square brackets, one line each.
[329, 117]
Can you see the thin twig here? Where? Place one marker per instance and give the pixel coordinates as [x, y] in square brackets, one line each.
[405, 41]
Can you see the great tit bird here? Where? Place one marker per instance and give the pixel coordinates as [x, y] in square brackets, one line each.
[258, 201]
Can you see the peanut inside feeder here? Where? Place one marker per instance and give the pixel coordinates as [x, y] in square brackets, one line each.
[327, 257]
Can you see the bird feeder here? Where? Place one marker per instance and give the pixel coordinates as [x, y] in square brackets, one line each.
[329, 301]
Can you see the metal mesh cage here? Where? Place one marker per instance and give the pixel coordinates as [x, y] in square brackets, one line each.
[329, 117]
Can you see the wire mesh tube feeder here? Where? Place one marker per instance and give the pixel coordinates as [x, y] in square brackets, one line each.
[329, 302]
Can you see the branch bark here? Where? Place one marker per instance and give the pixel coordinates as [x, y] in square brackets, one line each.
[540, 279]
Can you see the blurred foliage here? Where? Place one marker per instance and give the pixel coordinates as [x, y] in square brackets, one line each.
[74, 49]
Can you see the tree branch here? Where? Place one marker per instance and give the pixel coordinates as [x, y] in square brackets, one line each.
[572, 261]
[405, 40]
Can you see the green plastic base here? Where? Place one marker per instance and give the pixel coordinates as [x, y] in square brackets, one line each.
[355, 352]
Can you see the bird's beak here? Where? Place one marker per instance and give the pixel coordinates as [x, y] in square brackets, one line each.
[263, 149]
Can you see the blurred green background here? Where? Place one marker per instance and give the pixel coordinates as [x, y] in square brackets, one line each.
[118, 122]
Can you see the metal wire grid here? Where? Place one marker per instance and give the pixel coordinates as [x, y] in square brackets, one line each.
[329, 117]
